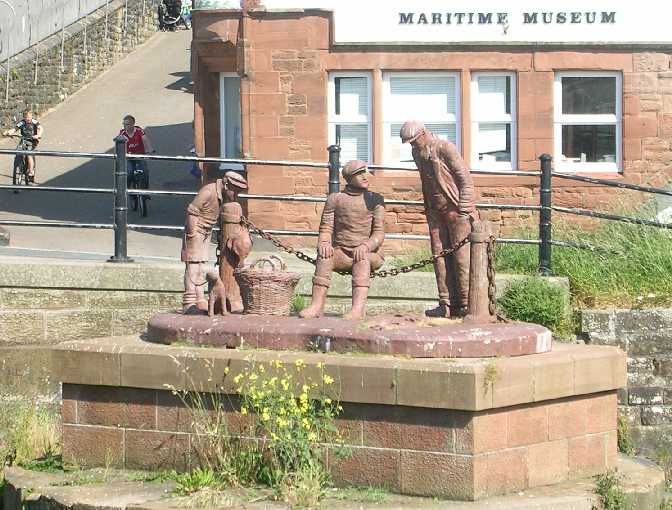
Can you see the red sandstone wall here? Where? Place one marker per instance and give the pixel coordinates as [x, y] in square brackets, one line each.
[287, 58]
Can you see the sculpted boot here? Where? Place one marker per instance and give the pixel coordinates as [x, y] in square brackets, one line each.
[459, 265]
[316, 308]
[360, 290]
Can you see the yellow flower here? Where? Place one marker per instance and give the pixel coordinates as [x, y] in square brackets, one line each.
[262, 369]
[327, 401]
[303, 397]
[274, 436]
[305, 388]
[285, 384]
[265, 416]
[276, 363]
[320, 365]
[327, 379]
[312, 436]
[305, 423]
[299, 363]
[254, 377]
[237, 379]
[226, 370]
[243, 411]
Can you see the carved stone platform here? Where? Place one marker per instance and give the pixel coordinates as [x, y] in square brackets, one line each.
[414, 336]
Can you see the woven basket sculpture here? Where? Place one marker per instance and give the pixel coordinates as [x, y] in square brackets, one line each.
[266, 286]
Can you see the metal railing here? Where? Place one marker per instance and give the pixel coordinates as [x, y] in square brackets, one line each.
[120, 194]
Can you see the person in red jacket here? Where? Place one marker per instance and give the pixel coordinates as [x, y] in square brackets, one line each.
[137, 142]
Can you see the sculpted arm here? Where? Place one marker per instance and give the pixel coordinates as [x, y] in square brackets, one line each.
[463, 180]
[377, 228]
[325, 247]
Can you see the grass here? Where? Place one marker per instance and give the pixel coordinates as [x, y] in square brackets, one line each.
[361, 494]
[633, 268]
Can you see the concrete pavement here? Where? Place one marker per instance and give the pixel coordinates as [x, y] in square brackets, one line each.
[154, 85]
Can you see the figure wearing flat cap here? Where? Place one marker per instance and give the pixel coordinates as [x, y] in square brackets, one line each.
[351, 236]
[214, 201]
[448, 193]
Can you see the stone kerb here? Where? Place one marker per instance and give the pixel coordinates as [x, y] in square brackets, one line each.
[463, 429]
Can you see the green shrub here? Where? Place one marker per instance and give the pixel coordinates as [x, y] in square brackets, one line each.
[608, 488]
[533, 299]
[624, 437]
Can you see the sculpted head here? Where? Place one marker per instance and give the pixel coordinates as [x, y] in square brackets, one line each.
[356, 174]
[414, 132]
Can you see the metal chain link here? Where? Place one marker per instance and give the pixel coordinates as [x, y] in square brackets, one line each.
[374, 274]
[492, 285]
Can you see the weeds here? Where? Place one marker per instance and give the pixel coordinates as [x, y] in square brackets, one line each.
[664, 460]
[608, 488]
[298, 303]
[361, 494]
[538, 301]
[270, 434]
[624, 437]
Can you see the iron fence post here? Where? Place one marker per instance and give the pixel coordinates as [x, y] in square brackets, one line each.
[334, 167]
[120, 202]
[545, 225]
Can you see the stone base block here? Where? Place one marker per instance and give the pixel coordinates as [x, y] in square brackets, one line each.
[465, 429]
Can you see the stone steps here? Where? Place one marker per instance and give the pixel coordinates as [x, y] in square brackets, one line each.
[642, 481]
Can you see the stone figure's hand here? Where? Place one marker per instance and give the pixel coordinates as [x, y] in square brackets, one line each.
[325, 250]
[360, 253]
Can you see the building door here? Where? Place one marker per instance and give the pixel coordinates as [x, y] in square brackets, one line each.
[229, 108]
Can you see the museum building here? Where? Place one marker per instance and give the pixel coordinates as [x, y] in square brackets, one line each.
[591, 85]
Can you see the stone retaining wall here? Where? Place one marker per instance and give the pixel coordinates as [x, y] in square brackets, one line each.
[646, 337]
[45, 74]
[465, 430]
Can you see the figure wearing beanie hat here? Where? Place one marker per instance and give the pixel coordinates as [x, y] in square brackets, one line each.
[214, 201]
[351, 236]
[448, 192]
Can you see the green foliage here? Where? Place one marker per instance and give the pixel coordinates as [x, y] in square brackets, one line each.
[200, 478]
[664, 460]
[624, 437]
[633, 268]
[50, 463]
[152, 476]
[533, 299]
[282, 406]
[608, 488]
[298, 303]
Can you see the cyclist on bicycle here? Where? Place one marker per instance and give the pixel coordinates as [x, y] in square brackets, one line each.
[31, 131]
[137, 142]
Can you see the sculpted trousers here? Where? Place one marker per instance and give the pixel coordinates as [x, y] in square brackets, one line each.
[446, 229]
[342, 261]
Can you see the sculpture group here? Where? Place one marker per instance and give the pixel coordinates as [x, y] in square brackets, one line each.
[350, 237]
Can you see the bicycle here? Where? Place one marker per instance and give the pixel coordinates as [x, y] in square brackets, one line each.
[20, 167]
[138, 179]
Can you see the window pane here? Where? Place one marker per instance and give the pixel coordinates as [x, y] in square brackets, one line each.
[421, 97]
[494, 96]
[231, 104]
[354, 141]
[493, 142]
[589, 143]
[588, 95]
[402, 152]
[352, 96]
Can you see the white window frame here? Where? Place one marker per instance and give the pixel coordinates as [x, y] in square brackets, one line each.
[501, 119]
[334, 119]
[560, 120]
[388, 121]
[222, 118]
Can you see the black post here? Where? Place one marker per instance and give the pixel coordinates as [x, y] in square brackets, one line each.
[120, 201]
[546, 201]
[334, 166]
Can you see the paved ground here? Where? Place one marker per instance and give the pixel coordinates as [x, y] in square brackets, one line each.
[153, 84]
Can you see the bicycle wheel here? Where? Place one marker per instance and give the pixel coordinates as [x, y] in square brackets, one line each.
[142, 202]
[19, 176]
[134, 198]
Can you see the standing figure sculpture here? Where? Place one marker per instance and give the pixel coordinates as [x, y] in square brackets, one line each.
[448, 192]
[351, 236]
[214, 201]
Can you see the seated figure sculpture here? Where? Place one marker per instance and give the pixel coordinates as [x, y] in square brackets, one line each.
[351, 236]
[213, 201]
